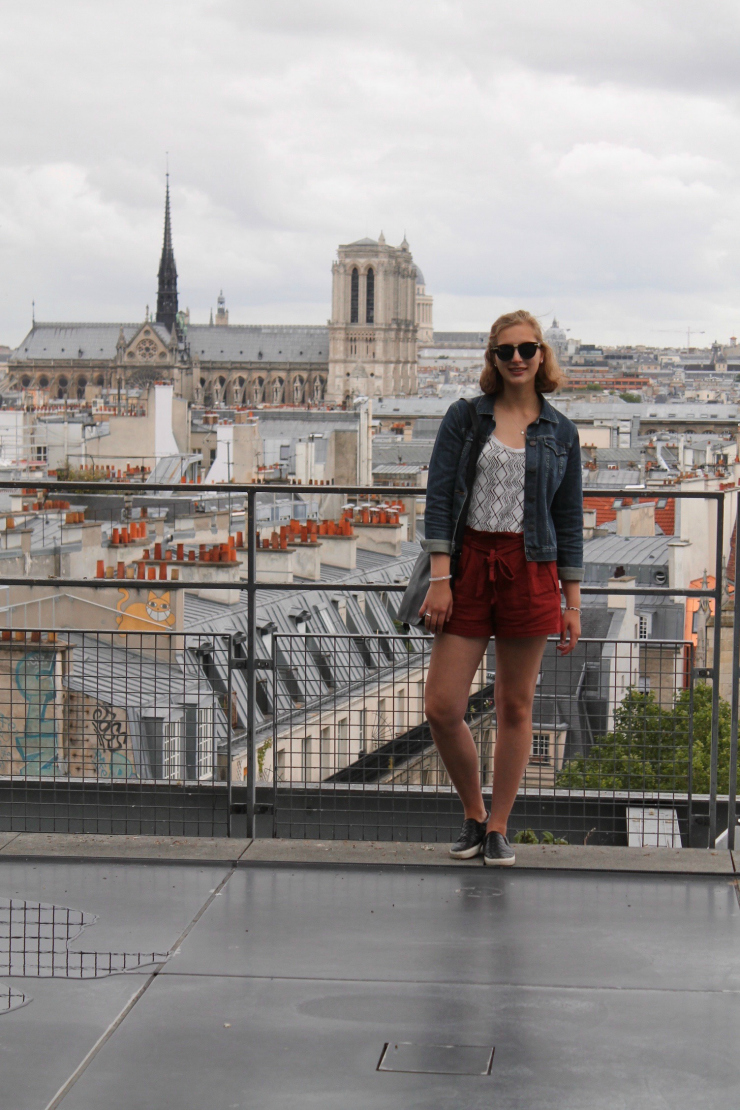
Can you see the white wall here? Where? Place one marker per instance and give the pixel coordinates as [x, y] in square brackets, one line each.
[164, 437]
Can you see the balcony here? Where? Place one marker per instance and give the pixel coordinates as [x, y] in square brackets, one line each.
[224, 831]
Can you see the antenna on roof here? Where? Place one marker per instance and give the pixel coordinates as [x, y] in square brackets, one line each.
[33, 312]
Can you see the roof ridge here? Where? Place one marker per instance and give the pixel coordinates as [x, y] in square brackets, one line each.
[91, 324]
[261, 327]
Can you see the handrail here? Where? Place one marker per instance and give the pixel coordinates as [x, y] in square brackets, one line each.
[285, 487]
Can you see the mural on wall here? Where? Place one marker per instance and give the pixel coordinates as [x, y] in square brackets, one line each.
[46, 729]
[28, 728]
[34, 676]
[140, 616]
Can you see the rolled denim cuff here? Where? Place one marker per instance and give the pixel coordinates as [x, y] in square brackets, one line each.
[439, 547]
[570, 574]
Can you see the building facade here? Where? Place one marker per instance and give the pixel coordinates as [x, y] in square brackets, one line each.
[368, 348]
[373, 330]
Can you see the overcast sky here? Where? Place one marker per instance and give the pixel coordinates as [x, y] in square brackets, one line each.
[571, 157]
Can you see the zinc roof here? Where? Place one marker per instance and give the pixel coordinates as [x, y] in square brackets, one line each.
[78, 341]
[268, 343]
[627, 550]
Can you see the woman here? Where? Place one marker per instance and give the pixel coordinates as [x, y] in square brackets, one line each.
[495, 570]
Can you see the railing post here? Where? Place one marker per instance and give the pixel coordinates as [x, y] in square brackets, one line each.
[229, 731]
[732, 786]
[251, 654]
[716, 670]
[275, 735]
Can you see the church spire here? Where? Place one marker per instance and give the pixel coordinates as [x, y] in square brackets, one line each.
[167, 286]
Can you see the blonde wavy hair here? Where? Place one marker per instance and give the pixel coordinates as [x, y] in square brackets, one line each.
[549, 375]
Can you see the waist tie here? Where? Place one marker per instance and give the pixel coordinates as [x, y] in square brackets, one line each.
[497, 568]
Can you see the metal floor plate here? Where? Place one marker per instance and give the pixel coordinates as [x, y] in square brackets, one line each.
[437, 1059]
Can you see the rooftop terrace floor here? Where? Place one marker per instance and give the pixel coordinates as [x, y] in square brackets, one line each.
[286, 978]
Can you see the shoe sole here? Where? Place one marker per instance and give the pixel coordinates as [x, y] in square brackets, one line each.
[469, 853]
[499, 862]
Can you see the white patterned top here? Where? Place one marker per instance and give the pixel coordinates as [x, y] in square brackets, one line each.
[497, 504]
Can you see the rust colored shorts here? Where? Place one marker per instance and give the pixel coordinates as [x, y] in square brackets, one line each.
[497, 592]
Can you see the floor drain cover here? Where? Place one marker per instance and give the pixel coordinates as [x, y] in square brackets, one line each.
[437, 1059]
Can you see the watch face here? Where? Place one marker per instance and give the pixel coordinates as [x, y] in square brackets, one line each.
[146, 350]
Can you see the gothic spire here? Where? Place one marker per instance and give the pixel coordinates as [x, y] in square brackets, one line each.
[167, 286]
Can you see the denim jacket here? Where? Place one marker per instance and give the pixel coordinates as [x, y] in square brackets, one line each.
[553, 499]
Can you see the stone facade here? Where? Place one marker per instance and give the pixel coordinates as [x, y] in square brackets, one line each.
[368, 348]
[424, 312]
[373, 331]
[79, 361]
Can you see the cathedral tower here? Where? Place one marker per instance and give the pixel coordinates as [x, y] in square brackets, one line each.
[167, 284]
[372, 331]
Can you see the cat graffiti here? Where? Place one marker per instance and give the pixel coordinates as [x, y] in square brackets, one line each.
[144, 616]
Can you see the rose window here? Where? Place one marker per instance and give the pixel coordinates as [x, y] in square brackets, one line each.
[146, 350]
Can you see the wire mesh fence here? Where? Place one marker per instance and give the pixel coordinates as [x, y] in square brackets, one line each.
[125, 732]
[132, 731]
[611, 757]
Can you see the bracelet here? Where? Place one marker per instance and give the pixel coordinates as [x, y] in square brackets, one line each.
[442, 578]
[571, 608]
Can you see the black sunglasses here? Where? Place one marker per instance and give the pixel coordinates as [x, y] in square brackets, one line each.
[526, 351]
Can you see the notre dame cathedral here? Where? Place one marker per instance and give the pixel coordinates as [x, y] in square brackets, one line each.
[381, 313]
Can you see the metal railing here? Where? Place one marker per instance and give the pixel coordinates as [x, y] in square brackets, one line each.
[353, 755]
[546, 786]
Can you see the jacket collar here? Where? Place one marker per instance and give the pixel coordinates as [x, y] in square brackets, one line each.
[484, 405]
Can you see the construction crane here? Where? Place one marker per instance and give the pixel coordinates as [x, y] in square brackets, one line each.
[689, 333]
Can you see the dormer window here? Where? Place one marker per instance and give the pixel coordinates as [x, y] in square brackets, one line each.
[266, 634]
[301, 620]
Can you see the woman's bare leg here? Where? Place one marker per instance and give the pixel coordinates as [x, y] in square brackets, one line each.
[517, 666]
[452, 667]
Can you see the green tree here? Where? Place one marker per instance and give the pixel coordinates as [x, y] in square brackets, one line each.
[703, 739]
[649, 747]
[632, 398]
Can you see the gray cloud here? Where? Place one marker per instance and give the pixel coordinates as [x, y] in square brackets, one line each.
[573, 157]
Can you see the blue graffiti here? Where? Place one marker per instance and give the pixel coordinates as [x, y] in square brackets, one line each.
[37, 744]
[113, 765]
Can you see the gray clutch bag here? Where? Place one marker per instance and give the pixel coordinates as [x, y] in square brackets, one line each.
[416, 591]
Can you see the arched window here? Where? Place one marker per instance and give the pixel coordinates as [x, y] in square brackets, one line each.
[370, 298]
[354, 300]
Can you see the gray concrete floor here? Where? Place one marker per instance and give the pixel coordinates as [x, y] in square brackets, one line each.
[597, 990]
